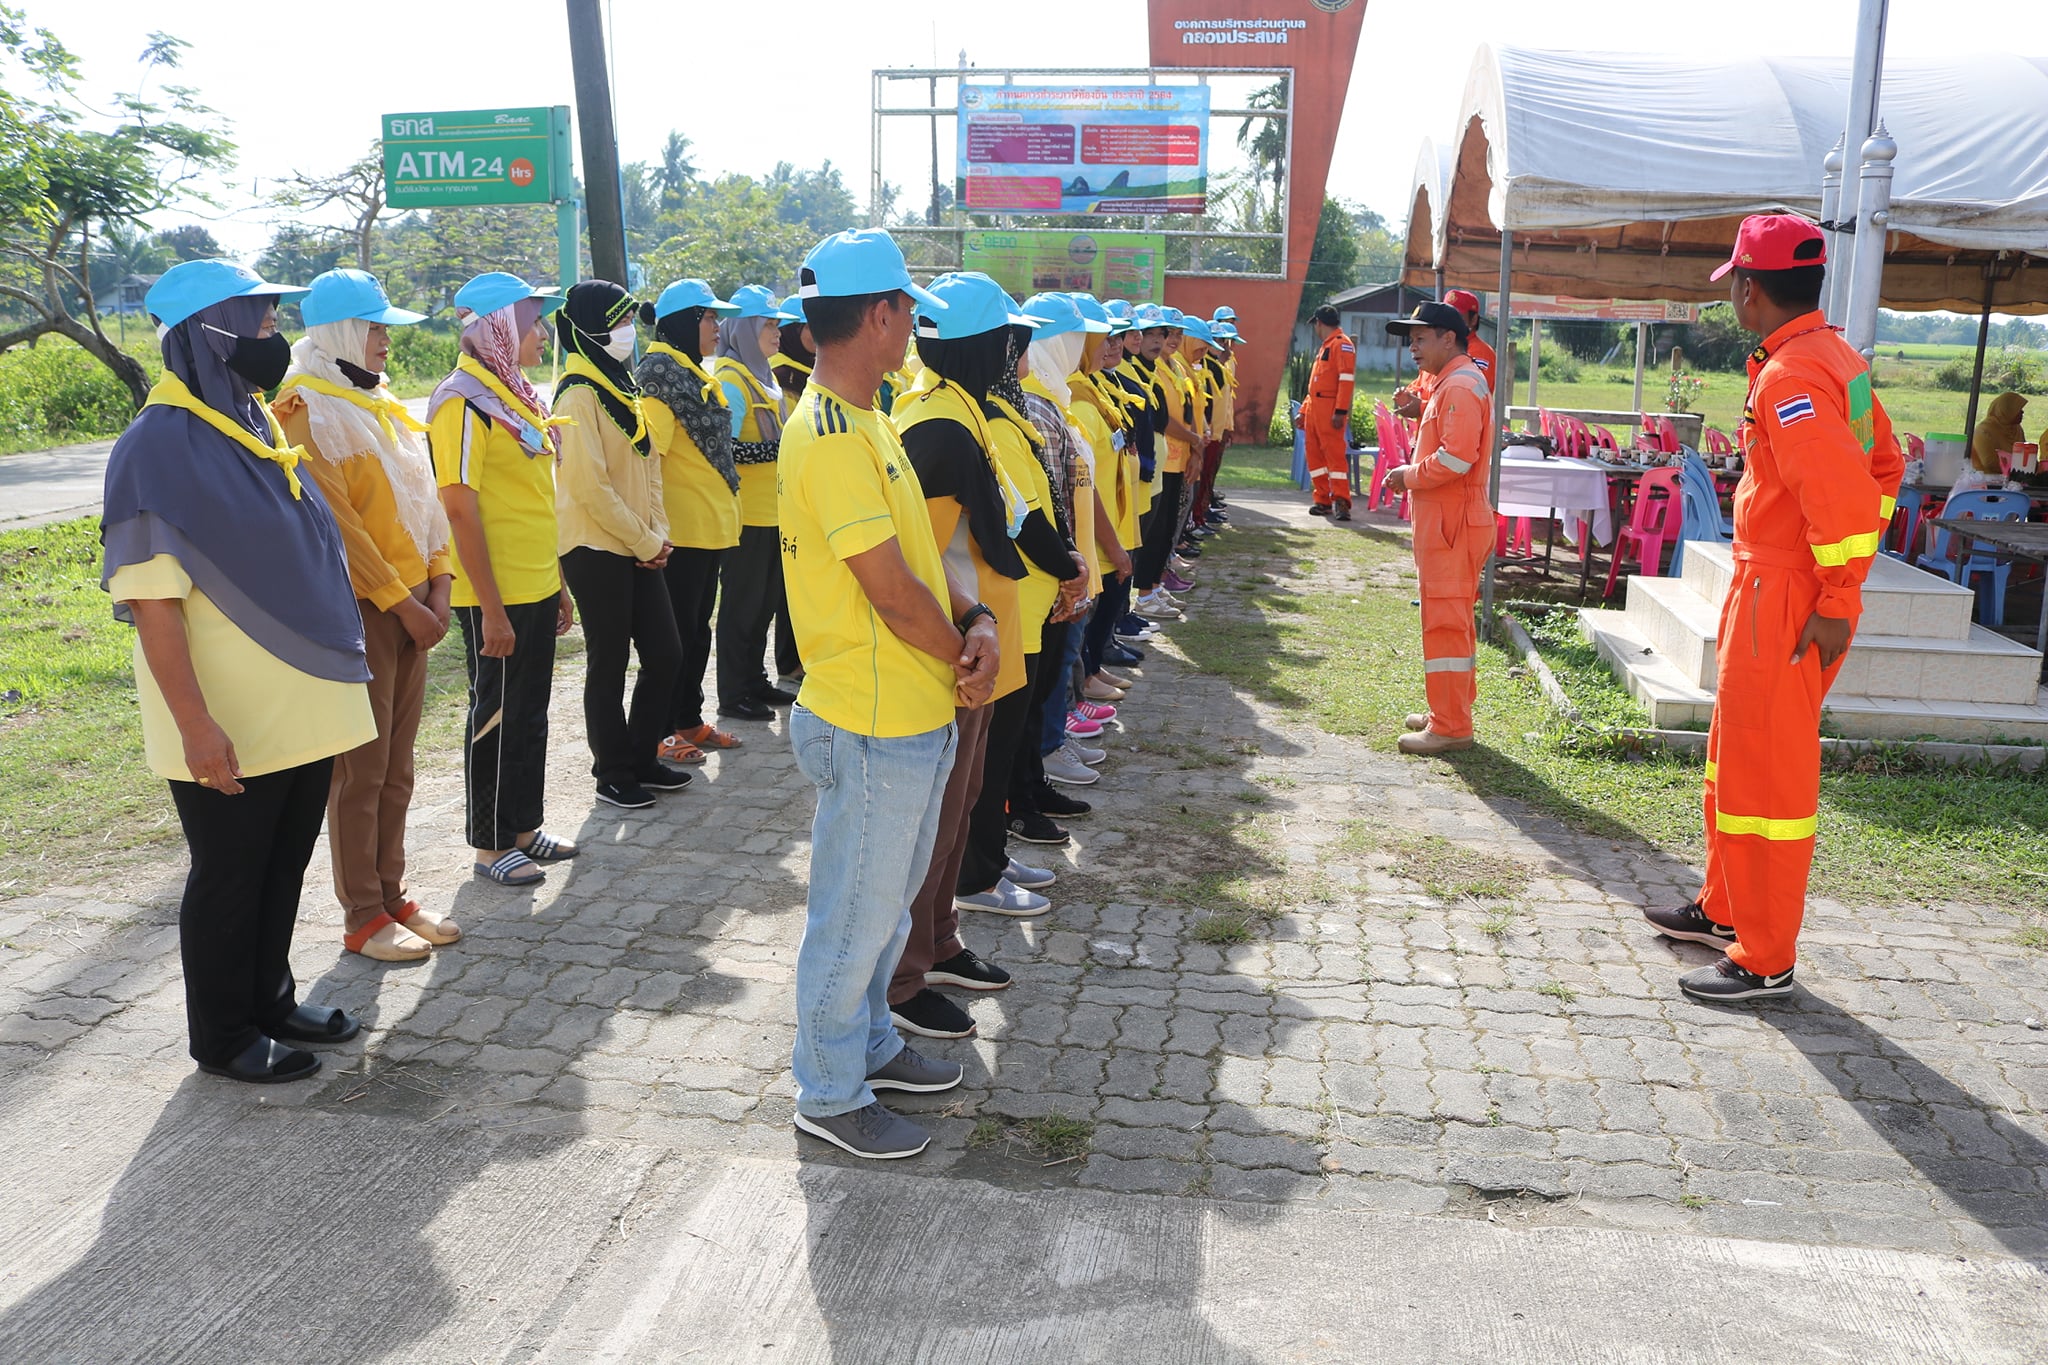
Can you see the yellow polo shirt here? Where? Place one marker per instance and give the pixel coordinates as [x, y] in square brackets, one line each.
[757, 481]
[515, 497]
[847, 487]
[1039, 590]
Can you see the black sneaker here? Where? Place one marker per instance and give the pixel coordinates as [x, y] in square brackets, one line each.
[931, 1015]
[665, 777]
[1319, 509]
[1034, 828]
[1725, 980]
[630, 795]
[1690, 923]
[968, 972]
[746, 710]
[775, 696]
[1053, 801]
[911, 1070]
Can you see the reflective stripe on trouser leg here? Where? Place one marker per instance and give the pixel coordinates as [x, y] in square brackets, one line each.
[1327, 457]
[1763, 786]
[1449, 679]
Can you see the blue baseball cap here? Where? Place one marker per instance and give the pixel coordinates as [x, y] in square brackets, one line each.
[1224, 313]
[495, 289]
[1226, 331]
[1198, 328]
[792, 309]
[1059, 314]
[690, 293]
[755, 301]
[190, 286]
[1093, 310]
[865, 261]
[970, 303]
[1175, 319]
[341, 294]
[1148, 317]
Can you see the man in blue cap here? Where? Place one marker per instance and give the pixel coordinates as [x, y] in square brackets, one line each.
[891, 643]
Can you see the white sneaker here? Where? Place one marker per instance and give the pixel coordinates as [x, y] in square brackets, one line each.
[1005, 898]
[1065, 766]
[1136, 636]
[1153, 607]
[1170, 600]
[1086, 754]
[1185, 568]
[1028, 877]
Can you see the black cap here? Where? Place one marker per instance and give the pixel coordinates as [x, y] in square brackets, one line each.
[1441, 316]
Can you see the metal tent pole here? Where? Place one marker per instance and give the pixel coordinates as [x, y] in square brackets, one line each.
[1865, 83]
[1977, 374]
[1501, 385]
[1642, 349]
[1535, 355]
[1873, 222]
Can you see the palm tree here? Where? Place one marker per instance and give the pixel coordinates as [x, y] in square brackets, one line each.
[1264, 139]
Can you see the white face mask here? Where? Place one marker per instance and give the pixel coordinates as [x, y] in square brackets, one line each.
[620, 346]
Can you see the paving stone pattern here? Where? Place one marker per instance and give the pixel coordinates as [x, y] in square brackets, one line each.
[1373, 1047]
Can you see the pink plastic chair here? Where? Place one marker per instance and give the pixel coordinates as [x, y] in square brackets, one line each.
[1604, 439]
[1658, 517]
[1717, 442]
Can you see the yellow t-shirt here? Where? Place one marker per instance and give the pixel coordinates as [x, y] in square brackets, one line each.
[757, 481]
[276, 716]
[1109, 472]
[515, 497]
[1181, 401]
[703, 514]
[1039, 590]
[847, 487]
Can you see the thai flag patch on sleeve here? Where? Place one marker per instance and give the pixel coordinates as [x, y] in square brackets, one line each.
[1797, 408]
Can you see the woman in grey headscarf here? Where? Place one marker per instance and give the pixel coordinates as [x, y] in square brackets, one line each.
[751, 576]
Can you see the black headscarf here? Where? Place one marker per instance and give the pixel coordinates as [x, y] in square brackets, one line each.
[593, 309]
[949, 458]
[793, 361]
[683, 329]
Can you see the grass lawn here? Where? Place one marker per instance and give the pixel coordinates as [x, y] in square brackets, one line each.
[1332, 633]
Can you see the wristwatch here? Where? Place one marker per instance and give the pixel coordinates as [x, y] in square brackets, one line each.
[978, 609]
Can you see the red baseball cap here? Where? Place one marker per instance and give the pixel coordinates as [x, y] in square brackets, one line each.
[1768, 241]
[1464, 300]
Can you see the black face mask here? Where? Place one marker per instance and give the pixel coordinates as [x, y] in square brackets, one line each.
[260, 360]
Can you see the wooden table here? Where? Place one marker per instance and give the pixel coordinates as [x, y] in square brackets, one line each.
[2022, 539]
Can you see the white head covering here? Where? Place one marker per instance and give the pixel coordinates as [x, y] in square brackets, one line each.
[1054, 359]
[346, 431]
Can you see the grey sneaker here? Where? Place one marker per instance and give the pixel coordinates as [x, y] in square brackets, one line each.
[910, 1070]
[874, 1132]
[1088, 755]
[1065, 766]
[1028, 877]
[1004, 898]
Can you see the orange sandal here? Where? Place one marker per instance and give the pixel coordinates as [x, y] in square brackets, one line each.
[676, 749]
[711, 737]
[384, 939]
[438, 930]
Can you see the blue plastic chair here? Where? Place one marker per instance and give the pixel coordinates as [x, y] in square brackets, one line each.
[1912, 510]
[1301, 474]
[1700, 505]
[1983, 504]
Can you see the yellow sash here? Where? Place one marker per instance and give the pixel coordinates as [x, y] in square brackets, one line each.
[475, 369]
[170, 392]
[580, 365]
[385, 409]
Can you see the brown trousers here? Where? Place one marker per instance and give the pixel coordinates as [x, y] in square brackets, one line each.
[372, 788]
[934, 919]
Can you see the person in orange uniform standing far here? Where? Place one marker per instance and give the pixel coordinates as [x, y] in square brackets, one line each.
[1454, 523]
[1821, 472]
[1325, 419]
[1411, 399]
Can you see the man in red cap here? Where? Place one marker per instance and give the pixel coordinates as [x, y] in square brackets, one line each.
[1821, 471]
[1410, 400]
[1325, 419]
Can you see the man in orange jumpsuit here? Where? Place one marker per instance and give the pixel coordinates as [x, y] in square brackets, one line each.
[1409, 401]
[1454, 523]
[1325, 419]
[1821, 471]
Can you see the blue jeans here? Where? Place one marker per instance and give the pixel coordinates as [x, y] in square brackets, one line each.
[1063, 693]
[878, 816]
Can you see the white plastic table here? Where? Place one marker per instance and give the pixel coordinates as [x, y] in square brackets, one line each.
[1569, 490]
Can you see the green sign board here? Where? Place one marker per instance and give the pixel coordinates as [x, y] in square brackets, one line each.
[1109, 265]
[476, 156]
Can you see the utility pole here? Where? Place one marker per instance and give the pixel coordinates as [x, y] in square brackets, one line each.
[600, 142]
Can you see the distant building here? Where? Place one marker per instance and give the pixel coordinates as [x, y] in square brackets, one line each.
[1366, 311]
[129, 293]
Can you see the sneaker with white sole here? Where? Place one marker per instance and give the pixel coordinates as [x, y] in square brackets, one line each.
[1029, 877]
[1035, 827]
[1690, 923]
[1152, 608]
[931, 1015]
[1727, 980]
[1063, 765]
[1087, 755]
[968, 972]
[1004, 898]
[911, 1070]
[1080, 726]
[874, 1132]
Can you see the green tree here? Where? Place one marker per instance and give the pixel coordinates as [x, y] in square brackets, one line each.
[190, 242]
[730, 233]
[817, 199]
[123, 251]
[1264, 139]
[297, 253]
[676, 176]
[1333, 263]
[424, 257]
[1379, 250]
[357, 188]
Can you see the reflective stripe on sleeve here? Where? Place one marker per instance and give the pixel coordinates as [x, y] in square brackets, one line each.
[1465, 665]
[1713, 771]
[1843, 551]
[1885, 510]
[1453, 463]
[1764, 827]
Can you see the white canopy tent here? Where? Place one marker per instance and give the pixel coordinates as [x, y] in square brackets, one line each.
[1624, 176]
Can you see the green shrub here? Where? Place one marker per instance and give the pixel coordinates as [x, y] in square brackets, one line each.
[2009, 370]
[419, 353]
[1562, 366]
[1364, 432]
[53, 393]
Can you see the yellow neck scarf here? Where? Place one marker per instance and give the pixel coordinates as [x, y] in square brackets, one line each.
[474, 368]
[170, 392]
[581, 366]
[383, 407]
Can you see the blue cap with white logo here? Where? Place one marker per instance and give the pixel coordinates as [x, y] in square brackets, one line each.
[1059, 314]
[792, 309]
[1224, 313]
[190, 286]
[1148, 317]
[489, 292]
[690, 293]
[340, 294]
[1197, 327]
[1174, 317]
[969, 303]
[755, 301]
[866, 261]
[1094, 310]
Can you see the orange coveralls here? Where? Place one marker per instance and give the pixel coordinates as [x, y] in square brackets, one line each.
[1329, 393]
[1822, 471]
[1477, 351]
[1454, 532]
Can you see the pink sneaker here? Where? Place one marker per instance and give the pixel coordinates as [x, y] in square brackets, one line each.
[1080, 727]
[1096, 710]
[1173, 582]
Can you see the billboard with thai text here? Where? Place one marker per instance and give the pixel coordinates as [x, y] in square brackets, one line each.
[1084, 149]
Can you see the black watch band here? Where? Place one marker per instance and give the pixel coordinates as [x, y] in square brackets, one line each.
[978, 609]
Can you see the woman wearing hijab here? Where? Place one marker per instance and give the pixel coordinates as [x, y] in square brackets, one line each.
[795, 354]
[975, 511]
[370, 459]
[1998, 430]
[494, 458]
[751, 576]
[692, 431]
[249, 662]
[614, 542]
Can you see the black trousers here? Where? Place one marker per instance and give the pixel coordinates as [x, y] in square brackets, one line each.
[624, 608]
[249, 855]
[988, 822]
[750, 585]
[1109, 609]
[1027, 765]
[692, 589]
[505, 738]
[1160, 533]
[788, 662]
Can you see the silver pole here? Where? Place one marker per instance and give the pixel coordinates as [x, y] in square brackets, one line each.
[1535, 354]
[1642, 347]
[1501, 386]
[1866, 69]
[1830, 213]
[1873, 220]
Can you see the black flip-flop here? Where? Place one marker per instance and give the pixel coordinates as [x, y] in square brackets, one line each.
[266, 1062]
[316, 1024]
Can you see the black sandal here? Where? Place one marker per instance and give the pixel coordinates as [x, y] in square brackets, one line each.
[317, 1024]
[266, 1062]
